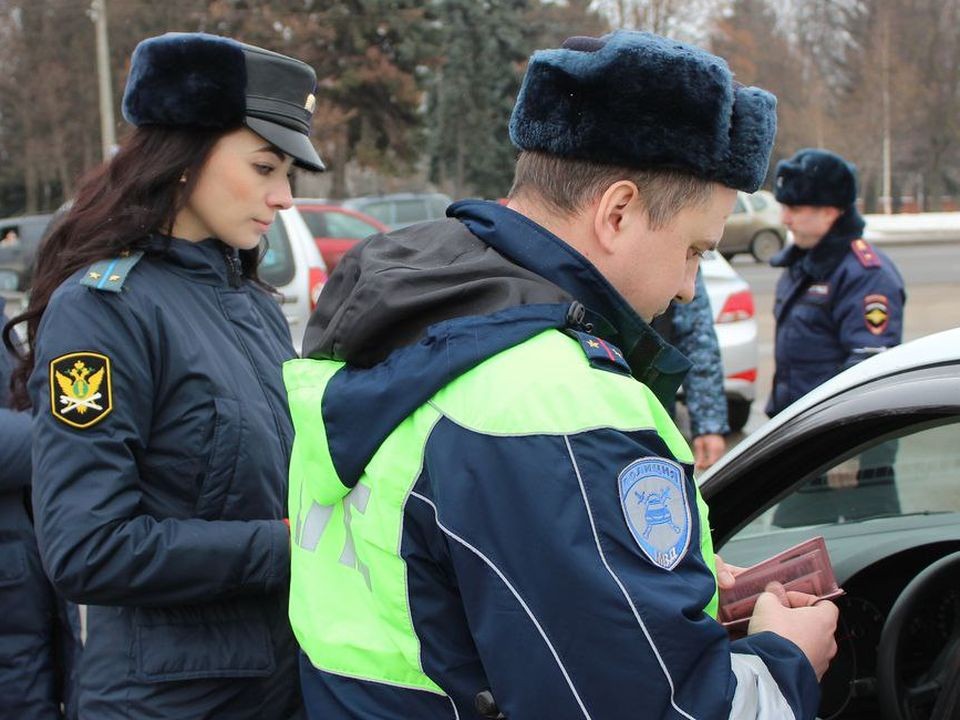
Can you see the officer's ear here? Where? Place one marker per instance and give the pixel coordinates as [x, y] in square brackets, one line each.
[618, 215]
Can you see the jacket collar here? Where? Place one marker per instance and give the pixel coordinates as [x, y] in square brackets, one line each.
[608, 315]
[207, 261]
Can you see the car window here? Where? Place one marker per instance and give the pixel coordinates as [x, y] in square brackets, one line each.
[277, 265]
[410, 211]
[379, 210]
[913, 474]
[739, 207]
[757, 202]
[316, 221]
[9, 280]
[341, 225]
[29, 229]
[438, 207]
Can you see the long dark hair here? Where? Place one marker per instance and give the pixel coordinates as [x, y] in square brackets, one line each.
[119, 204]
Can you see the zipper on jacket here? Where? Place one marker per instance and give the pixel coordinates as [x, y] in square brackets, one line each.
[234, 269]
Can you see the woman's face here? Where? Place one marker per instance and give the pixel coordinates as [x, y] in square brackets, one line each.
[241, 186]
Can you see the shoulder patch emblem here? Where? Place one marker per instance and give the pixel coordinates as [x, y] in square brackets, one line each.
[653, 496]
[600, 353]
[81, 388]
[865, 253]
[876, 313]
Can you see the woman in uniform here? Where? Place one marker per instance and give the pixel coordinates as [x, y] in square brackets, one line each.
[161, 433]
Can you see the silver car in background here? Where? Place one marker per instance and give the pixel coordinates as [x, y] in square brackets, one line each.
[754, 227]
[398, 210]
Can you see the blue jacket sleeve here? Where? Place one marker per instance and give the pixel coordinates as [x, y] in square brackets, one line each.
[567, 609]
[14, 450]
[695, 336]
[869, 311]
[98, 544]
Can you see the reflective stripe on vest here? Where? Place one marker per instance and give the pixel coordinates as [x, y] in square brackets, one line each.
[349, 606]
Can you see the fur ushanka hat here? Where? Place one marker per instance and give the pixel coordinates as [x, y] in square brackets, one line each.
[201, 80]
[816, 177]
[643, 101]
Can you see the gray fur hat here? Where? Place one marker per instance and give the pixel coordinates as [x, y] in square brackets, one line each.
[643, 101]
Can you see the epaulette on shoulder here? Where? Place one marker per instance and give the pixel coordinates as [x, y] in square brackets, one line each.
[109, 275]
[865, 253]
[600, 353]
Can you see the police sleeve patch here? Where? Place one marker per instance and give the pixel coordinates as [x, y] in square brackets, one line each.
[653, 496]
[81, 391]
[876, 313]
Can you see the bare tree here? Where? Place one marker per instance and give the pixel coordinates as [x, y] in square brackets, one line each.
[46, 132]
[689, 20]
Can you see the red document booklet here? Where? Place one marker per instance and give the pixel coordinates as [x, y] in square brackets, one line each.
[805, 567]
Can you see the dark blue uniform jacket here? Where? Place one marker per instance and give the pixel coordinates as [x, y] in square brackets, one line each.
[836, 304]
[521, 574]
[34, 645]
[165, 515]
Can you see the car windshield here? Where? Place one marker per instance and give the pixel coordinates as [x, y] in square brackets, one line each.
[913, 474]
[315, 220]
[379, 210]
[341, 225]
[411, 211]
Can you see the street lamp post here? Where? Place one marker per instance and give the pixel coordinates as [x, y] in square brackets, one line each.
[885, 99]
[108, 138]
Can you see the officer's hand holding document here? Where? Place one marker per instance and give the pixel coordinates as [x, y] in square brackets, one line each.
[800, 576]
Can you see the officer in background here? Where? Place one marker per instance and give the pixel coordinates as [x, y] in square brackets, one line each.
[486, 491]
[838, 301]
[689, 328]
[161, 436]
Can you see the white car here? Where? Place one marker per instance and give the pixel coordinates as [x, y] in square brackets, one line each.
[889, 427]
[733, 315]
[293, 265]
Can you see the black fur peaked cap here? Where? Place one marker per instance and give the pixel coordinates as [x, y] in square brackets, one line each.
[201, 80]
[816, 177]
[643, 101]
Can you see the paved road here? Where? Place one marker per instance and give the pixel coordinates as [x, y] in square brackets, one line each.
[932, 277]
[919, 264]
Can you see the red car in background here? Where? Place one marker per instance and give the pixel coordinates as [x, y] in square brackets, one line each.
[336, 229]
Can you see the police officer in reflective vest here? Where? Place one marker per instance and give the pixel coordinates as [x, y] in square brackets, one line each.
[839, 299]
[491, 511]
